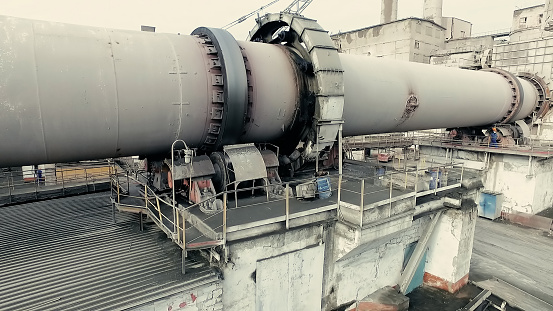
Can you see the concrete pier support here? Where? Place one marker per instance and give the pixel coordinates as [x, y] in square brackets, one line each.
[450, 250]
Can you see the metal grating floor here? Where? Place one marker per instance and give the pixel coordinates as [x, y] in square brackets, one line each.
[67, 254]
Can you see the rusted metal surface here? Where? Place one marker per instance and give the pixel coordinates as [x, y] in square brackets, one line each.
[410, 107]
[201, 166]
[269, 158]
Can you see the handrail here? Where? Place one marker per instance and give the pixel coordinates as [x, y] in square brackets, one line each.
[54, 176]
[387, 182]
[442, 139]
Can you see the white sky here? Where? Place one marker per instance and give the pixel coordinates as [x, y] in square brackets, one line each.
[184, 15]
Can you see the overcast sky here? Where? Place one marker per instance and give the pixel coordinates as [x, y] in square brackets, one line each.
[184, 16]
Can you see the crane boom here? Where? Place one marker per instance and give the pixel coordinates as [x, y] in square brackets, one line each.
[297, 6]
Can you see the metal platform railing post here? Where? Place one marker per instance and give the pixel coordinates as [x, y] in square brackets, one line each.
[287, 206]
[362, 203]
[145, 203]
[462, 171]
[63, 182]
[177, 212]
[36, 183]
[224, 218]
[416, 184]
[86, 178]
[183, 262]
[391, 189]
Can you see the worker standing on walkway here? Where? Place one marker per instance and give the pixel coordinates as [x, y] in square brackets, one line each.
[493, 138]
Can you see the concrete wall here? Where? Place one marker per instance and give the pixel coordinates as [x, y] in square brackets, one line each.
[450, 250]
[388, 40]
[206, 297]
[428, 38]
[543, 195]
[469, 44]
[408, 39]
[509, 175]
[372, 265]
[241, 274]
[528, 18]
[457, 60]
[525, 186]
[324, 266]
[456, 28]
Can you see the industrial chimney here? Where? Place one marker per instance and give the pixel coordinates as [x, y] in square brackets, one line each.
[433, 11]
[388, 11]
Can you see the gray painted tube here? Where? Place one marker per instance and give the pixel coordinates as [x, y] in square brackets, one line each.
[70, 93]
[378, 91]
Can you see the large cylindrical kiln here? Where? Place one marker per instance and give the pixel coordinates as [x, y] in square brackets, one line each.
[71, 93]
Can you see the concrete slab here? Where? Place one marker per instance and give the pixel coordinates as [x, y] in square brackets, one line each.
[513, 295]
[384, 299]
[519, 256]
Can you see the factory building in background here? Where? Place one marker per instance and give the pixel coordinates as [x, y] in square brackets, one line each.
[512, 172]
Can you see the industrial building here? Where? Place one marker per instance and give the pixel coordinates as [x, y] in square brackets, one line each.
[241, 173]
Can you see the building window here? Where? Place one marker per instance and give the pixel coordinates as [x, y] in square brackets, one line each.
[417, 44]
[540, 18]
[523, 20]
[462, 34]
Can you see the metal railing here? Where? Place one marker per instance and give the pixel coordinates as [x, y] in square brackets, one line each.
[178, 220]
[505, 144]
[378, 141]
[30, 181]
[443, 139]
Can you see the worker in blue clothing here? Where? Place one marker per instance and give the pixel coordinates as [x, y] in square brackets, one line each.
[493, 138]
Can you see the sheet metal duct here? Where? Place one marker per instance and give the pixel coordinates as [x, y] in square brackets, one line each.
[71, 93]
[388, 11]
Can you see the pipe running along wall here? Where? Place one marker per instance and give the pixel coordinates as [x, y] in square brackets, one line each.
[71, 93]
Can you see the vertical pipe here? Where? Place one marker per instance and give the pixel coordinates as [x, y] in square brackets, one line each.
[388, 11]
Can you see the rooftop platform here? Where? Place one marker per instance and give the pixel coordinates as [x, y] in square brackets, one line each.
[19, 185]
[250, 212]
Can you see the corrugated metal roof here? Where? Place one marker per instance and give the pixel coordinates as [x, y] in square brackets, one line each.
[67, 254]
